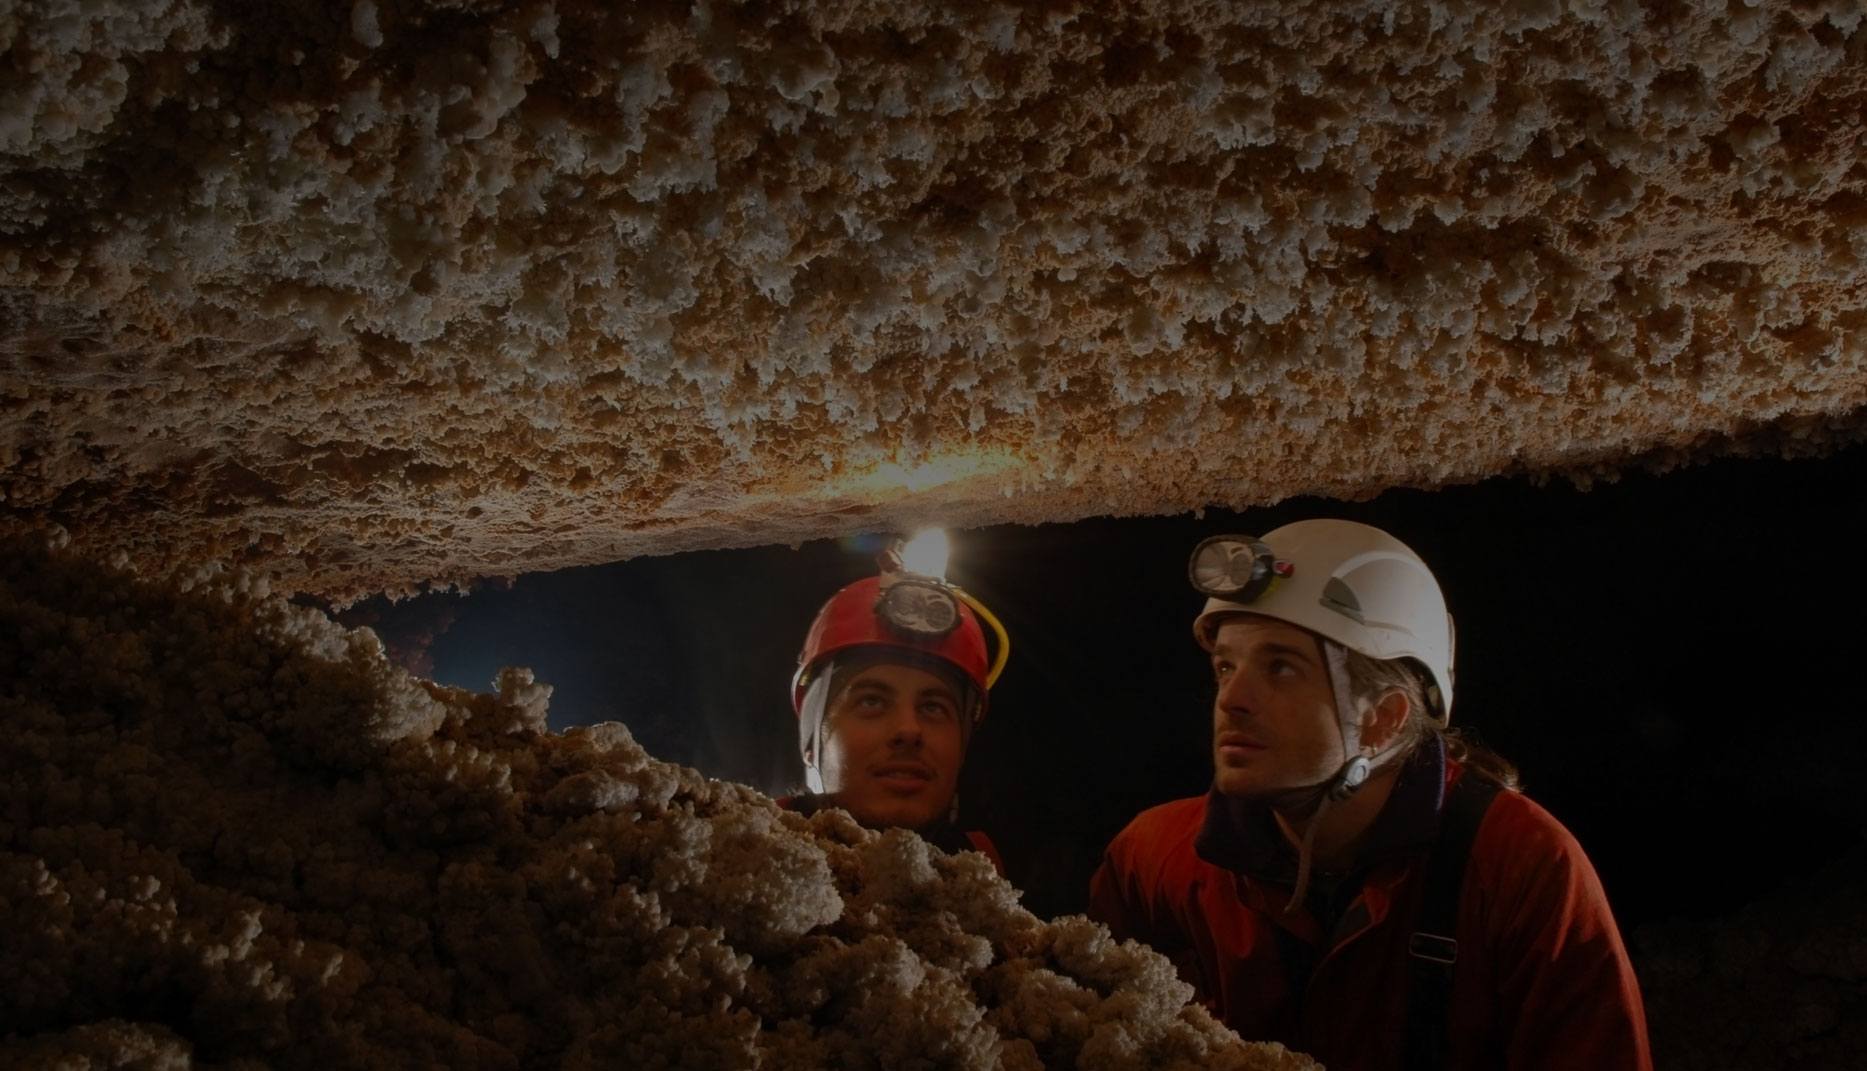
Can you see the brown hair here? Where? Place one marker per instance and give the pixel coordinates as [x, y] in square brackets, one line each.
[1370, 679]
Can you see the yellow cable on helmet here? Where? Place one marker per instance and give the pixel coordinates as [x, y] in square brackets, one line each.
[1004, 638]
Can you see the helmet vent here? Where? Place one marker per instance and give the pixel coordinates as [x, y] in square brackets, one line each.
[1341, 598]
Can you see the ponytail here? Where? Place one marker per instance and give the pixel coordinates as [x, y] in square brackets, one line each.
[1468, 751]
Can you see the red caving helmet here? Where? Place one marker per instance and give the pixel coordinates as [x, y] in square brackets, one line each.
[852, 618]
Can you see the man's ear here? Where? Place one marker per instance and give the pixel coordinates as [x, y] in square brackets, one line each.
[1381, 723]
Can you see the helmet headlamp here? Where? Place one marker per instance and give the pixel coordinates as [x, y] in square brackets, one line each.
[924, 609]
[1236, 568]
[905, 607]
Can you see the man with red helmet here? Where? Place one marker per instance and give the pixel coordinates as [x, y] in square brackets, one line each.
[890, 685]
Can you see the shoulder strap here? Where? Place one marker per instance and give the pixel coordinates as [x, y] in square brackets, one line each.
[1433, 948]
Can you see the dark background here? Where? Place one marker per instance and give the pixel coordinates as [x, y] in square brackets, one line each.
[1673, 661]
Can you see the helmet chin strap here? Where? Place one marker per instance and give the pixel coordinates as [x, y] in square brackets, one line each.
[1316, 800]
[1355, 766]
[816, 697]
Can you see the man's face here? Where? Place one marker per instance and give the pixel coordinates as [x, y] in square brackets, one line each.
[1273, 720]
[892, 746]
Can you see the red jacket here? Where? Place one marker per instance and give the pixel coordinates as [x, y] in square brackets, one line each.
[1542, 979]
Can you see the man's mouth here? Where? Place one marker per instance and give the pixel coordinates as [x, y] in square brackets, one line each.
[1237, 747]
[902, 774]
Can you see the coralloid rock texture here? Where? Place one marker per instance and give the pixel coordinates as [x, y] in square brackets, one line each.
[375, 294]
[232, 835]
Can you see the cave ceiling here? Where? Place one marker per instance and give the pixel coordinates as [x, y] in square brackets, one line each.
[379, 295]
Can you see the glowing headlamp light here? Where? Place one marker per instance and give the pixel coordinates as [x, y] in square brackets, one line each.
[1236, 568]
[926, 554]
[916, 600]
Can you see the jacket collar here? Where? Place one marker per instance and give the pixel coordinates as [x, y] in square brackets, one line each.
[1242, 835]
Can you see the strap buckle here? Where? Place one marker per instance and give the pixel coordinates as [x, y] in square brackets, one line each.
[1433, 947]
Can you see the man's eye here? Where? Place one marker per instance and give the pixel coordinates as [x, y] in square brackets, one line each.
[869, 704]
[1282, 667]
[1221, 670]
[937, 710]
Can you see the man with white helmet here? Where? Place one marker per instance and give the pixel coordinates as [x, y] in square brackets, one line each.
[1359, 883]
[892, 681]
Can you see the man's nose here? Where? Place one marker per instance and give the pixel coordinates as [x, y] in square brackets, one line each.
[906, 725]
[1234, 693]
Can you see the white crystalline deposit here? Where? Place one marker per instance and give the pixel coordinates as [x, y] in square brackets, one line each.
[368, 294]
[232, 835]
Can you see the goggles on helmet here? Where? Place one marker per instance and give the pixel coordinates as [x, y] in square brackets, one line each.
[1236, 568]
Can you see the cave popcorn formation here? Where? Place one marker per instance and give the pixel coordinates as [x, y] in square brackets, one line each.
[379, 295]
[370, 297]
[232, 834]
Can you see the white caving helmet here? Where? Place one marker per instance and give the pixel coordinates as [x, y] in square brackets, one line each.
[1347, 582]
